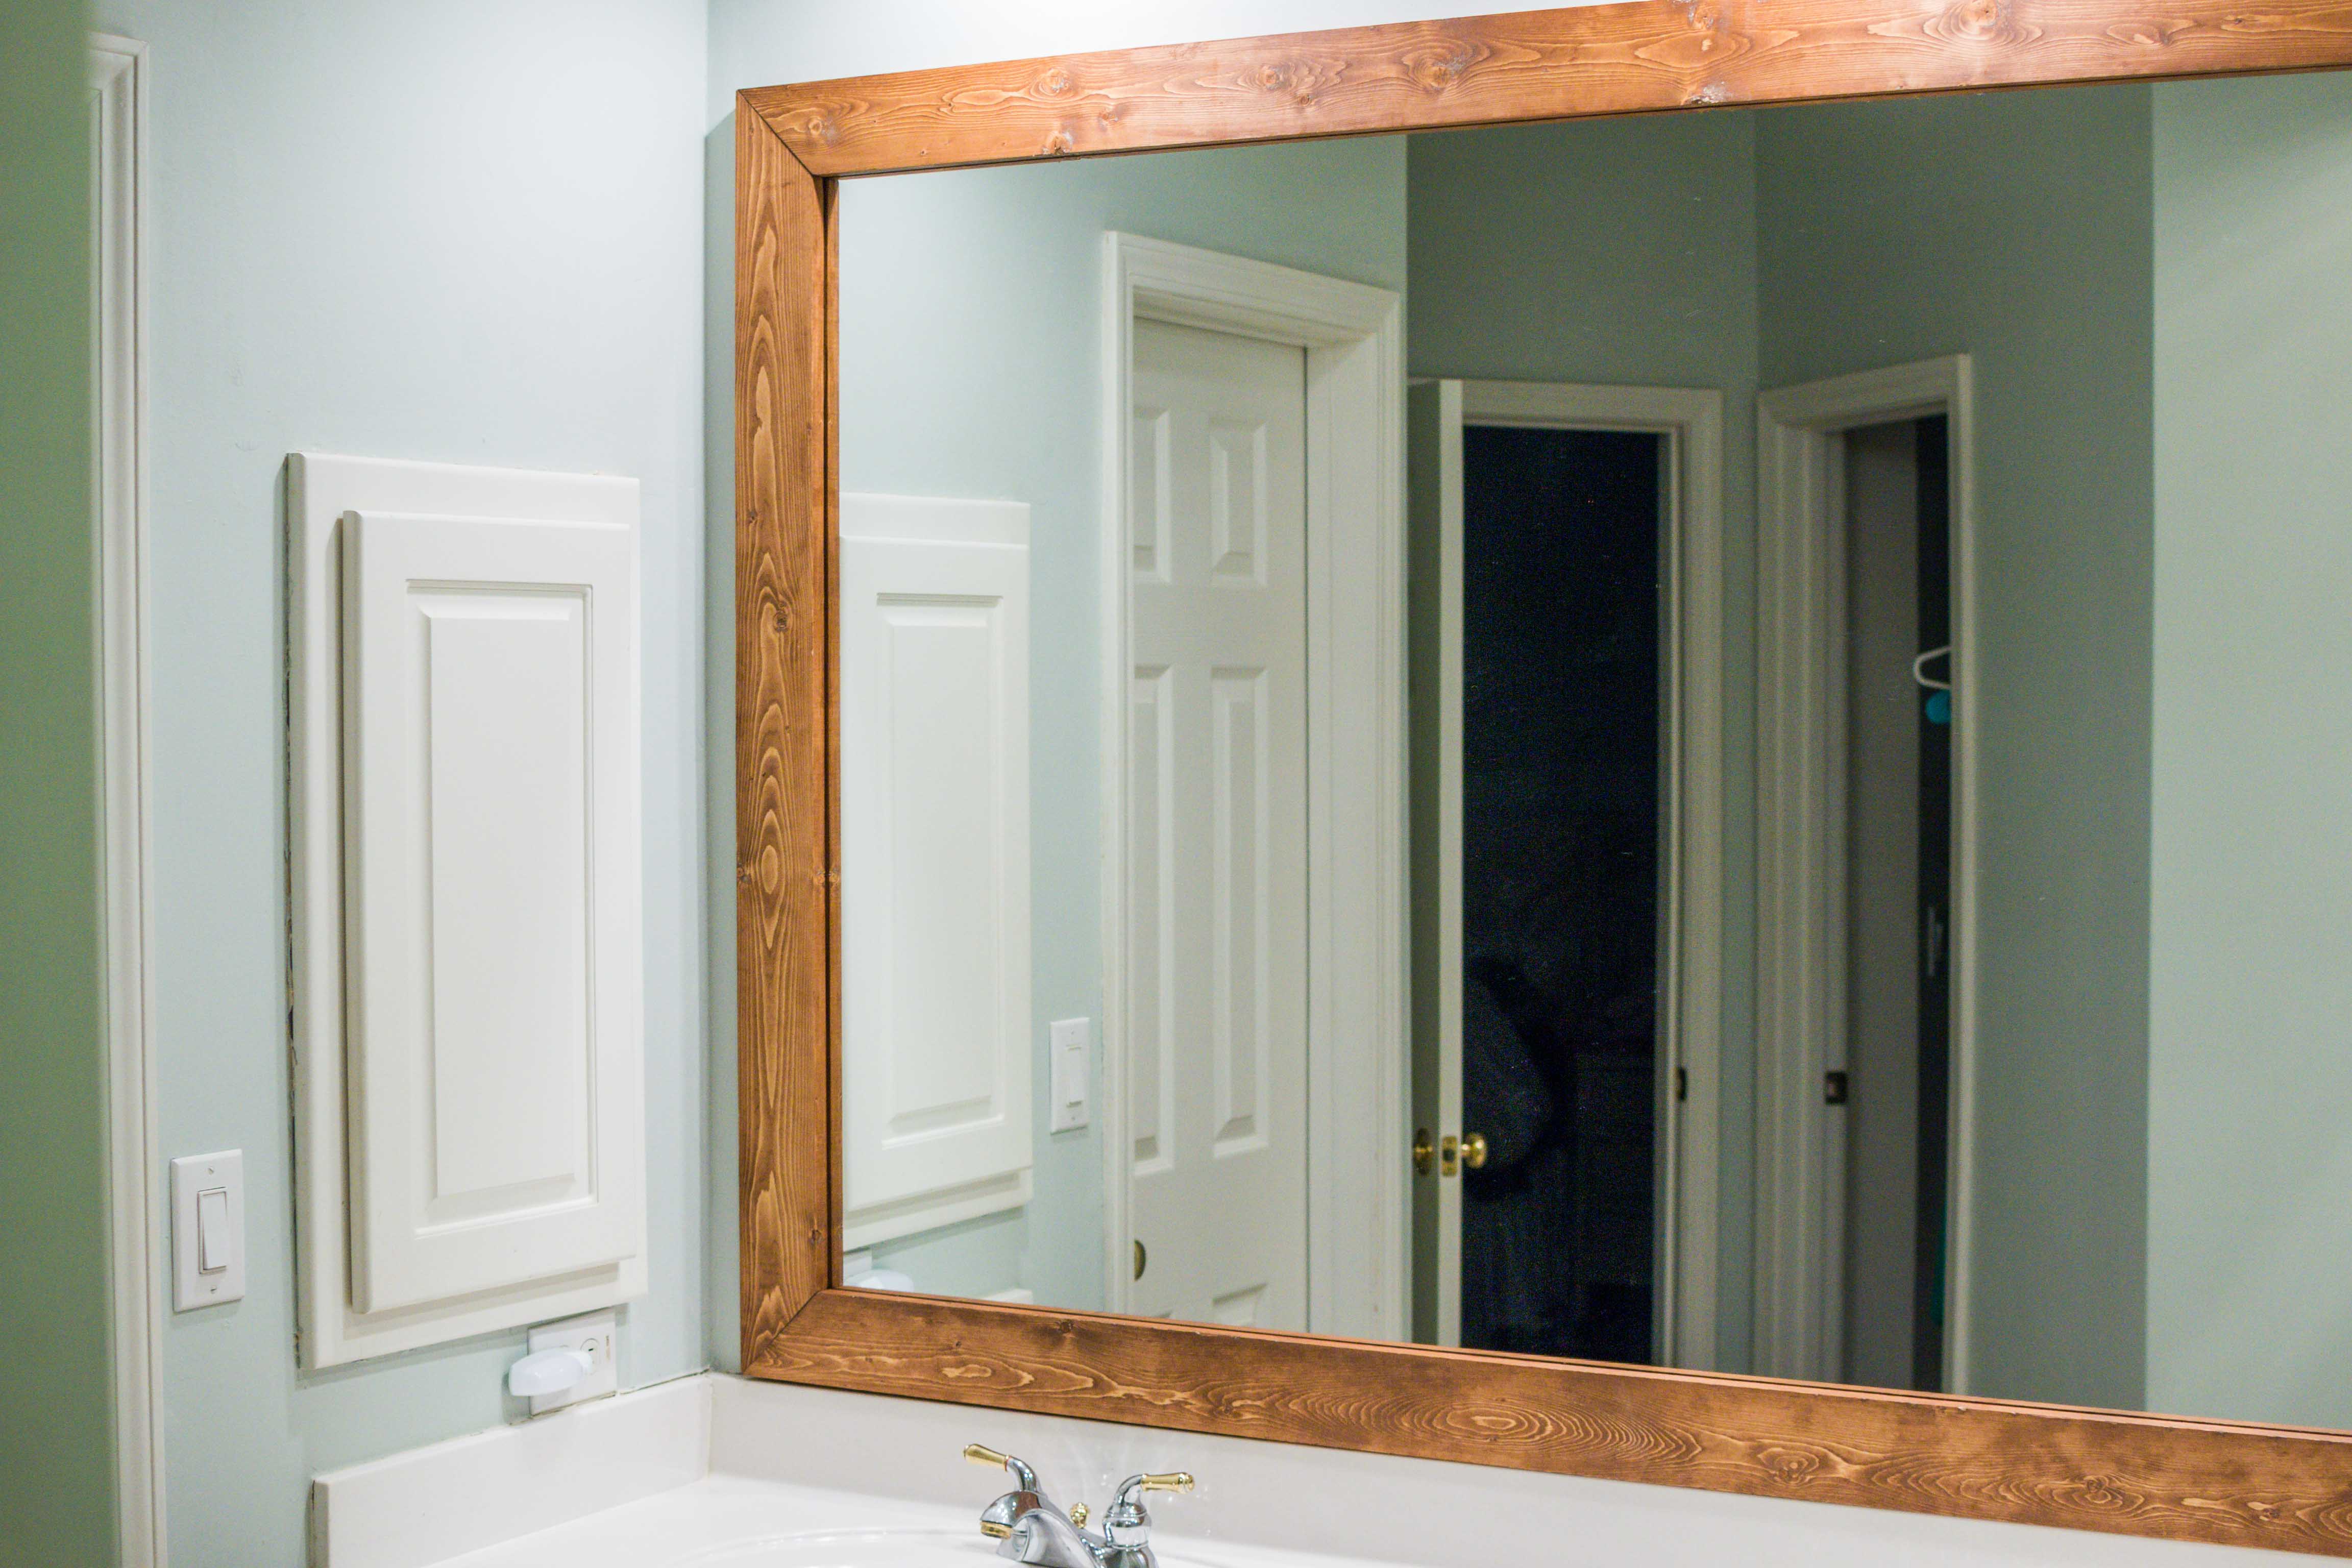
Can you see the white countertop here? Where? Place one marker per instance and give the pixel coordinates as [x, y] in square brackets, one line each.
[715, 1472]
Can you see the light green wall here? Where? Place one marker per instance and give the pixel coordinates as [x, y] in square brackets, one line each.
[971, 365]
[2250, 1239]
[2015, 226]
[388, 227]
[57, 1460]
[1625, 251]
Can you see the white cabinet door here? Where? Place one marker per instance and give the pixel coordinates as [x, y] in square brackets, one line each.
[493, 958]
[936, 1050]
[1216, 830]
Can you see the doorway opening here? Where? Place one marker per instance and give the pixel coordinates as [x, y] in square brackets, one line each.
[1865, 878]
[1566, 612]
[1562, 679]
[1896, 1084]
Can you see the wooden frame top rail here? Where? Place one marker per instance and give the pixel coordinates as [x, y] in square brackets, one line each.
[1630, 58]
[2134, 1474]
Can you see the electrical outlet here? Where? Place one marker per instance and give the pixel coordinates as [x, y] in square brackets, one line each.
[599, 1334]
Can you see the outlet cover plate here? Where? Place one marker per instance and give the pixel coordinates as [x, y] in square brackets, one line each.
[598, 1333]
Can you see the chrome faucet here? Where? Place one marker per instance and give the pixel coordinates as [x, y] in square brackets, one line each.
[1028, 1528]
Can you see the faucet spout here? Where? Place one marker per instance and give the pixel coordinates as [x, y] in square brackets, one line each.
[1045, 1535]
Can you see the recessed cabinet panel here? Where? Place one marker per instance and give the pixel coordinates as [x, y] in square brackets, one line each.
[491, 938]
[935, 814]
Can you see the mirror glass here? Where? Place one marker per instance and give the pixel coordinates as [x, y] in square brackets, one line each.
[1711, 740]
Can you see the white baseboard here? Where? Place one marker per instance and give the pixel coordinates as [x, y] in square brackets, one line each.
[430, 1504]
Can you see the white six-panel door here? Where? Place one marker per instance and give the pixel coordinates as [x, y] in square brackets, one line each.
[1216, 825]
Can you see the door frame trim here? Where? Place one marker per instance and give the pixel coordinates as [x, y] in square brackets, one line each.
[117, 82]
[1353, 339]
[1690, 765]
[1801, 860]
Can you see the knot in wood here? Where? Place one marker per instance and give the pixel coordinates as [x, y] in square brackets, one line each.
[1437, 72]
[1790, 1464]
[1055, 83]
[1973, 21]
[2103, 1492]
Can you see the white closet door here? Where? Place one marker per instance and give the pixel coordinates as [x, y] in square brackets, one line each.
[1216, 1029]
[936, 1049]
[492, 888]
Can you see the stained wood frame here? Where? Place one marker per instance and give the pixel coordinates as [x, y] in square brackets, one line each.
[2133, 1474]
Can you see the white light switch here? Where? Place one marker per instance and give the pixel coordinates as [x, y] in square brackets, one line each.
[207, 1230]
[1072, 1053]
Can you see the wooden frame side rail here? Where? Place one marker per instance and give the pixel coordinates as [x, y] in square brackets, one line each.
[2133, 1474]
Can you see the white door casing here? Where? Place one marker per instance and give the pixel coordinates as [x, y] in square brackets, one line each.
[935, 1032]
[118, 98]
[1801, 832]
[1357, 1165]
[1433, 472]
[1689, 422]
[1215, 1101]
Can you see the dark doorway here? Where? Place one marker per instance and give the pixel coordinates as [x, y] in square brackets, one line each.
[1560, 690]
[1898, 855]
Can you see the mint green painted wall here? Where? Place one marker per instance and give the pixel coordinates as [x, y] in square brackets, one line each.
[387, 228]
[1625, 251]
[56, 1457]
[2250, 1240]
[2016, 227]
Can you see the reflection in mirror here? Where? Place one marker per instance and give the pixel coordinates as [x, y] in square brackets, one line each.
[1771, 806]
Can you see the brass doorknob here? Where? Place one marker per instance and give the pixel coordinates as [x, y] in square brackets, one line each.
[1452, 1152]
[1140, 1256]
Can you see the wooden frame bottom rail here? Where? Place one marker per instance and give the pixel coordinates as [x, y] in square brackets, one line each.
[2132, 1474]
[2231, 1484]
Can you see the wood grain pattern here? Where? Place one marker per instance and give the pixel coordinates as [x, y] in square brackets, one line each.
[1533, 65]
[2131, 1473]
[785, 858]
[2245, 1486]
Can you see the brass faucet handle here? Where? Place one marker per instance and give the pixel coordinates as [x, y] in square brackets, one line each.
[1168, 1481]
[980, 1454]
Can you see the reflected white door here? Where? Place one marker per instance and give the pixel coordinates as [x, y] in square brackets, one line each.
[1216, 830]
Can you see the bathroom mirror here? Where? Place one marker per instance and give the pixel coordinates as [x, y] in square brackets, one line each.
[1689, 744]
[1865, 920]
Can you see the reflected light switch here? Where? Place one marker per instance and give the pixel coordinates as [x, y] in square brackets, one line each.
[1072, 1050]
[207, 1230]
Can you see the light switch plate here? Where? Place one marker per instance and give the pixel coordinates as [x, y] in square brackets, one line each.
[1071, 1052]
[207, 1230]
[598, 1333]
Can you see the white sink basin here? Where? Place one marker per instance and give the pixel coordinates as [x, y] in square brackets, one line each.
[850, 1549]
[862, 1549]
